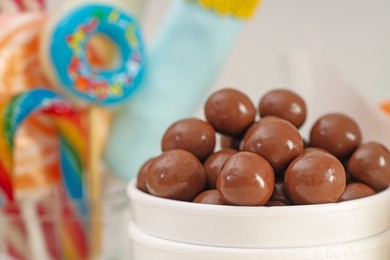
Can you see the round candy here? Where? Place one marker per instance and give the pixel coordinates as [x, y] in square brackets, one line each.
[213, 165]
[246, 179]
[277, 140]
[193, 135]
[176, 174]
[356, 190]
[314, 178]
[141, 177]
[336, 133]
[284, 104]
[230, 111]
[210, 197]
[370, 164]
[70, 29]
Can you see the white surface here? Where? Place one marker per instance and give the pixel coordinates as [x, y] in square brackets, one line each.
[260, 227]
[354, 34]
[150, 248]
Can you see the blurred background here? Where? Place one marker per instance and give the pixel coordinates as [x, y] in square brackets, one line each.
[354, 34]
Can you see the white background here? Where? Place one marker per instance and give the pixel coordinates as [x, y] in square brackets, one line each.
[354, 34]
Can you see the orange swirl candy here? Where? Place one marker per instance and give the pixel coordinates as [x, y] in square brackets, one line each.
[36, 159]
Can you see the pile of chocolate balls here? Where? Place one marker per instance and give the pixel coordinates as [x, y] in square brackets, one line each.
[264, 161]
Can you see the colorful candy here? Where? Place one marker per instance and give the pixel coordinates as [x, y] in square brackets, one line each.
[70, 29]
[71, 133]
[36, 160]
[13, 6]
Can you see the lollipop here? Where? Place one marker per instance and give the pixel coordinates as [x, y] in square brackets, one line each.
[20, 70]
[71, 29]
[185, 60]
[72, 143]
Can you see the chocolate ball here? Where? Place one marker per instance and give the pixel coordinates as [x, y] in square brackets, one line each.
[213, 166]
[141, 177]
[210, 197]
[356, 190]
[246, 179]
[370, 164]
[230, 111]
[176, 174]
[193, 135]
[275, 139]
[336, 133]
[314, 178]
[232, 142]
[284, 104]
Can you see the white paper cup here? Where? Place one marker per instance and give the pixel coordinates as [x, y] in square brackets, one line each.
[260, 227]
[146, 247]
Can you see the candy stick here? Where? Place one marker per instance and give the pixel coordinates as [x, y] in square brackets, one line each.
[72, 141]
[22, 5]
[184, 62]
[20, 70]
[70, 29]
[35, 235]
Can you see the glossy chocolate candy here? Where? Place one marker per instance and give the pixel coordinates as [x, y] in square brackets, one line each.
[275, 139]
[246, 179]
[315, 177]
[141, 177]
[230, 111]
[356, 190]
[176, 174]
[210, 197]
[193, 135]
[370, 164]
[284, 104]
[213, 166]
[336, 133]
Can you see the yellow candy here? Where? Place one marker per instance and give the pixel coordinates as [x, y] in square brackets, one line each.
[243, 9]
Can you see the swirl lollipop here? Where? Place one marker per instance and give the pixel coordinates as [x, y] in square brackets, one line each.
[72, 151]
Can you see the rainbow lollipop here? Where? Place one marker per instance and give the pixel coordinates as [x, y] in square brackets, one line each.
[72, 151]
[70, 129]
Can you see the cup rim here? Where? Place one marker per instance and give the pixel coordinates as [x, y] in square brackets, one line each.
[137, 195]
